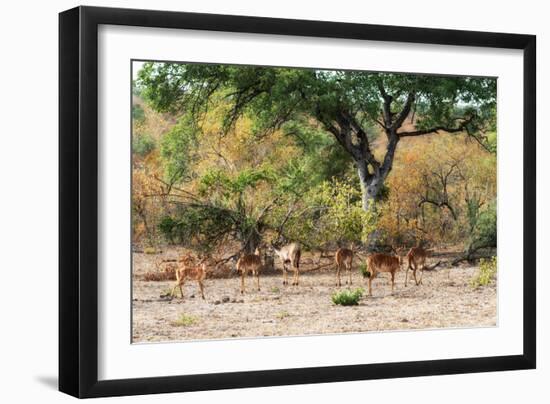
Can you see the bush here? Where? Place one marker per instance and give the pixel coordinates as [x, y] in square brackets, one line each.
[143, 144]
[149, 250]
[484, 234]
[336, 215]
[487, 272]
[347, 297]
[184, 320]
[137, 113]
[364, 270]
[166, 226]
[200, 227]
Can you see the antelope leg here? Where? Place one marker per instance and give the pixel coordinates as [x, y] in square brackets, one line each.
[201, 287]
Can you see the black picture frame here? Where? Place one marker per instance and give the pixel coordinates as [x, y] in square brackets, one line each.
[78, 201]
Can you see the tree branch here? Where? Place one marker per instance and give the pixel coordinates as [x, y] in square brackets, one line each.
[404, 112]
[386, 106]
[461, 127]
[388, 158]
[439, 205]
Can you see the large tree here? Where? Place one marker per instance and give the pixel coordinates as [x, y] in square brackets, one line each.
[352, 106]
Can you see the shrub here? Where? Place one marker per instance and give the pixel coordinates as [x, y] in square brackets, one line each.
[485, 230]
[149, 250]
[336, 215]
[143, 144]
[184, 320]
[364, 270]
[347, 297]
[166, 226]
[138, 114]
[487, 272]
[283, 314]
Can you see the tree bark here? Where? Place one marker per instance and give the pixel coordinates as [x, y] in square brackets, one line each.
[353, 138]
[370, 183]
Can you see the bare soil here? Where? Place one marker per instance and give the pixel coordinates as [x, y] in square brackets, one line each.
[445, 299]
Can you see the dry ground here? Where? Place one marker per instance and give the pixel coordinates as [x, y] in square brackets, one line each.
[278, 310]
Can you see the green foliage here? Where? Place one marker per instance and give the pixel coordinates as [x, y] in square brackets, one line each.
[338, 213]
[136, 89]
[178, 148]
[260, 153]
[322, 158]
[225, 185]
[487, 272]
[143, 144]
[364, 270]
[138, 114]
[329, 214]
[492, 141]
[168, 228]
[484, 233]
[383, 193]
[185, 320]
[307, 100]
[347, 297]
[275, 96]
[201, 227]
[472, 212]
[230, 208]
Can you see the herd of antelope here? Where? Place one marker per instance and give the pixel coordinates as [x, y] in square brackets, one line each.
[189, 267]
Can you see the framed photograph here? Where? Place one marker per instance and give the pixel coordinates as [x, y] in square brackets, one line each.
[251, 201]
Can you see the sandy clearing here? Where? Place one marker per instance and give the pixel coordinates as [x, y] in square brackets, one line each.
[307, 309]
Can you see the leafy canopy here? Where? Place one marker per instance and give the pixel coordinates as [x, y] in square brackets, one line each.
[274, 96]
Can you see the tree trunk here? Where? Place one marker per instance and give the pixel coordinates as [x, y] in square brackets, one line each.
[370, 184]
[251, 242]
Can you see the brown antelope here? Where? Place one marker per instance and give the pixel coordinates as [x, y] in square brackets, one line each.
[187, 268]
[290, 257]
[252, 263]
[378, 262]
[344, 259]
[416, 257]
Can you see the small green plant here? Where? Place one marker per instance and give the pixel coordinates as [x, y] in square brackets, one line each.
[184, 320]
[487, 272]
[143, 144]
[283, 314]
[347, 297]
[363, 270]
[275, 289]
[138, 114]
[149, 250]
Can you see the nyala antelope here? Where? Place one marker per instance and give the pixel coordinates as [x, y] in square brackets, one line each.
[344, 259]
[187, 268]
[378, 262]
[252, 263]
[417, 258]
[290, 257]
